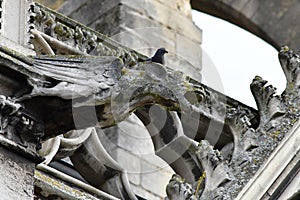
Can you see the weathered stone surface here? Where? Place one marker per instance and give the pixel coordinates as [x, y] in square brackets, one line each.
[15, 14]
[53, 4]
[134, 137]
[91, 160]
[67, 8]
[189, 51]
[139, 79]
[131, 164]
[17, 176]
[142, 25]
[274, 21]
[146, 194]
[151, 175]
[133, 147]
[51, 187]
[83, 12]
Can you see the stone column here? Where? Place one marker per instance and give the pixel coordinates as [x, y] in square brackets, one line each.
[14, 25]
[15, 21]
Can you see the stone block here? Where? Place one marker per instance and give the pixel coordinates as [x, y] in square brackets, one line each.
[131, 163]
[108, 23]
[127, 36]
[185, 66]
[288, 31]
[189, 50]
[130, 135]
[250, 8]
[135, 139]
[188, 28]
[70, 6]
[239, 4]
[158, 163]
[87, 14]
[270, 13]
[182, 6]
[154, 179]
[145, 193]
[109, 140]
[180, 23]
[17, 176]
[148, 38]
[133, 18]
[139, 6]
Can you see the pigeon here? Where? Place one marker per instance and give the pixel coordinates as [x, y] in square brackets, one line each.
[159, 56]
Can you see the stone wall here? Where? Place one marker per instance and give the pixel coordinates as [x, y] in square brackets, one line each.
[17, 176]
[145, 26]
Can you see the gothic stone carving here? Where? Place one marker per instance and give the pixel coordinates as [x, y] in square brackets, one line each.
[124, 84]
[90, 159]
[19, 127]
[55, 27]
[117, 91]
[252, 145]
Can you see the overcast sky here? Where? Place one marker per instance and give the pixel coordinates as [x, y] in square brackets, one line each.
[233, 56]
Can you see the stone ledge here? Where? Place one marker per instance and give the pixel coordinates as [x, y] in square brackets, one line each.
[64, 186]
[270, 171]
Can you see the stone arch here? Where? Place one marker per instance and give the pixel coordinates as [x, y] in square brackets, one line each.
[273, 21]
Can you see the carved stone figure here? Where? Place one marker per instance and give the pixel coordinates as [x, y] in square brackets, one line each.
[218, 147]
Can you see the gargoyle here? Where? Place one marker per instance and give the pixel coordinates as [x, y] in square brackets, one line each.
[76, 92]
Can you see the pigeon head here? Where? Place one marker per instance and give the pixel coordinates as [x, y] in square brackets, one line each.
[159, 56]
[161, 51]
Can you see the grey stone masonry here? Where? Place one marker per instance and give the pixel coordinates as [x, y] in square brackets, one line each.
[130, 144]
[146, 25]
[17, 176]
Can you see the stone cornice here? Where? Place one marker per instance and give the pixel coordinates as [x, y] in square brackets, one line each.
[276, 164]
[78, 36]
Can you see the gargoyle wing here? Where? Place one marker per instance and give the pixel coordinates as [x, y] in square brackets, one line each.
[71, 77]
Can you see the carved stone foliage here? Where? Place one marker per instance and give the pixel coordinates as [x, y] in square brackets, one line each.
[290, 63]
[211, 184]
[204, 170]
[55, 27]
[268, 104]
[178, 189]
[279, 111]
[217, 172]
[252, 143]
[19, 126]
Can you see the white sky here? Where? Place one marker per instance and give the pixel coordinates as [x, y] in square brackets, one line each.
[233, 56]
